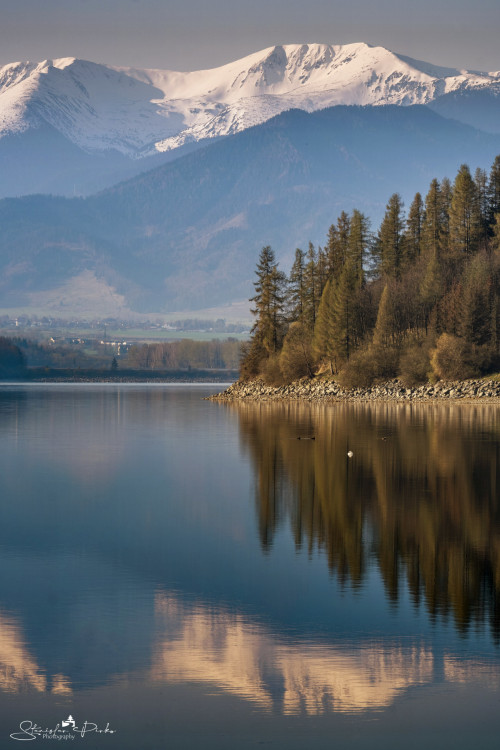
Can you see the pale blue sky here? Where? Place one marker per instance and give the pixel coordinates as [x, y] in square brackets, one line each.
[191, 34]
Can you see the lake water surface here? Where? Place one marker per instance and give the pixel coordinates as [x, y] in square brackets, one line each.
[189, 574]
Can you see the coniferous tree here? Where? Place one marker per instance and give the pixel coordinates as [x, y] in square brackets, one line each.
[414, 227]
[438, 289]
[268, 329]
[481, 183]
[331, 250]
[390, 238]
[311, 291]
[476, 302]
[358, 243]
[384, 327]
[496, 234]
[338, 245]
[494, 191]
[446, 194]
[323, 349]
[432, 230]
[321, 272]
[345, 332]
[465, 222]
[431, 287]
[296, 286]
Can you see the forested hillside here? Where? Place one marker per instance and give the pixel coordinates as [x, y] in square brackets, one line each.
[184, 236]
[418, 298]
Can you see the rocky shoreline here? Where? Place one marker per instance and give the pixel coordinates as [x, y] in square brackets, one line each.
[324, 389]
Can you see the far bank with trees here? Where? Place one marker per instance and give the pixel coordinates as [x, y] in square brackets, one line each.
[419, 299]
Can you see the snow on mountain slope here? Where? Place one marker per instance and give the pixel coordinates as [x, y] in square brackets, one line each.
[138, 112]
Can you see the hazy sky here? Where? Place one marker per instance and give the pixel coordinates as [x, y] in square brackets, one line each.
[191, 34]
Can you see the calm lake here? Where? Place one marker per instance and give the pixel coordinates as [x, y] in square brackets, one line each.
[186, 574]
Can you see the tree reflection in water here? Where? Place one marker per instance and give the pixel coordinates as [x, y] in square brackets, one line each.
[419, 495]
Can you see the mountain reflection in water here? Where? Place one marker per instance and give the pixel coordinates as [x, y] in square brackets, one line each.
[196, 642]
[420, 495]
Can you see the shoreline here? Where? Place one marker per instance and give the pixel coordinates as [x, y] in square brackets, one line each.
[70, 375]
[114, 381]
[327, 391]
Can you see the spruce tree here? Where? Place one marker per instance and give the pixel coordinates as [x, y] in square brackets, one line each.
[431, 287]
[322, 339]
[321, 272]
[414, 227]
[268, 329]
[345, 331]
[465, 220]
[495, 242]
[481, 183]
[338, 245]
[311, 290]
[494, 192]
[358, 243]
[390, 238]
[446, 193]
[432, 229]
[296, 286]
[384, 328]
[476, 302]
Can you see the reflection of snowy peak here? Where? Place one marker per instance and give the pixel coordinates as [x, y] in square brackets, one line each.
[138, 112]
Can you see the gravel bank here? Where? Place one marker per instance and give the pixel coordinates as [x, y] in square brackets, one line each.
[321, 389]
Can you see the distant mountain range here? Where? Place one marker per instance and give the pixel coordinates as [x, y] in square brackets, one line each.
[186, 235]
[70, 126]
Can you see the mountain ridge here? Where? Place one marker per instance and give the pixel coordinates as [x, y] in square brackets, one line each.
[186, 235]
[72, 127]
[141, 111]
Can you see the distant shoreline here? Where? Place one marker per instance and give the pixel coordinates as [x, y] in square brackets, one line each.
[324, 390]
[54, 375]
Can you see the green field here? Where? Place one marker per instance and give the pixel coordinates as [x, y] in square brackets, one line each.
[143, 335]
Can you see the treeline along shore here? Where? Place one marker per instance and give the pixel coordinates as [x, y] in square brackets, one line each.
[178, 361]
[62, 375]
[411, 310]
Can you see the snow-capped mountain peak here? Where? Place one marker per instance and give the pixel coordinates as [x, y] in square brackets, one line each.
[137, 112]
